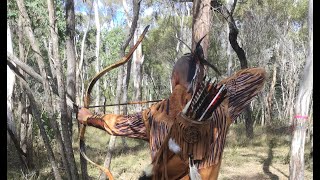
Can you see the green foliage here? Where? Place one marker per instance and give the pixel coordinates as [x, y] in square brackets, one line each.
[299, 10]
[160, 54]
[111, 42]
[12, 10]
[38, 14]
[60, 20]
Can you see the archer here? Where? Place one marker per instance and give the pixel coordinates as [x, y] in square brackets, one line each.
[186, 131]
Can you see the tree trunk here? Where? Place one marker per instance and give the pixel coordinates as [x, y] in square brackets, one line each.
[233, 35]
[37, 115]
[97, 22]
[229, 54]
[230, 60]
[29, 137]
[112, 140]
[249, 122]
[201, 24]
[79, 70]
[21, 95]
[71, 88]
[20, 152]
[44, 78]
[137, 61]
[35, 46]
[270, 95]
[71, 70]
[61, 90]
[10, 85]
[126, 79]
[302, 105]
[26, 137]
[136, 8]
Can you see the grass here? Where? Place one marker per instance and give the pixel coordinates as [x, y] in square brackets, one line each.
[266, 156]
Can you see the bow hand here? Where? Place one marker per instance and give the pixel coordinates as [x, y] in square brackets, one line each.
[83, 115]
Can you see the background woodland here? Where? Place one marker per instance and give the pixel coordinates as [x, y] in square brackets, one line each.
[55, 48]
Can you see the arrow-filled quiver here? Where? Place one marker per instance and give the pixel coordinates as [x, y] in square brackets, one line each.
[204, 139]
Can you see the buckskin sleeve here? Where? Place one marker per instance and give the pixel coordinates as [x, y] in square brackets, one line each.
[138, 125]
[120, 125]
[242, 87]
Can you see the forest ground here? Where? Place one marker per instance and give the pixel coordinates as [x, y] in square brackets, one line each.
[264, 157]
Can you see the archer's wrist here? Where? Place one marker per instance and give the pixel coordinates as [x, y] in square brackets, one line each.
[96, 121]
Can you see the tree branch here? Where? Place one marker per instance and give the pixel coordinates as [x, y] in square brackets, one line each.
[136, 7]
[233, 7]
[29, 70]
[37, 115]
[17, 146]
[233, 31]
[15, 141]
[24, 67]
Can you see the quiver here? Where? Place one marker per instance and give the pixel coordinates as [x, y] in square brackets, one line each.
[191, 136]
[203, 139]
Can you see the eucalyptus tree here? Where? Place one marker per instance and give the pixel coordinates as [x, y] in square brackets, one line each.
[302, 107]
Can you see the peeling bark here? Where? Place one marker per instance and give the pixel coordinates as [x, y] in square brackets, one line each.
[302, 106]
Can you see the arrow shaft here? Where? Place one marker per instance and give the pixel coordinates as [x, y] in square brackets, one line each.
[128, 103]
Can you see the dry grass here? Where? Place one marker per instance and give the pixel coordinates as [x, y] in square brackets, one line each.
[264, 157]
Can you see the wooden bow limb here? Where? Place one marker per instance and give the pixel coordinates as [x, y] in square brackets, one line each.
[87, 99]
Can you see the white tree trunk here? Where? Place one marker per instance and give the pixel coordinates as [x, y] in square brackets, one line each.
[137, 61]
[126, 10]
[10, 85]
[97, 22]
[302, 105]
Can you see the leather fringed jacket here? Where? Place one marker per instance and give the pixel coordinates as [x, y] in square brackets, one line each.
[163, 123]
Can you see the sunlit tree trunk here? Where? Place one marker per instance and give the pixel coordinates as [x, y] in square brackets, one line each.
[20, 152]
[39, 58]
[97, 68]
[137, 61]
[80, 65]
[61, 87]
[26, 124]
[10, 85]
[201, 24]
[302, 106]
[136, 9]
[71, 87]
[229, 48]
[271, 94]
[11, 126]
[233, 35]
[36, 112]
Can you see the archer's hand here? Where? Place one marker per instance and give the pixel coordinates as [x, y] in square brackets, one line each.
[83, 115]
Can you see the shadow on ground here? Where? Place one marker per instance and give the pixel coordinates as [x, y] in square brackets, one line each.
[267, 162]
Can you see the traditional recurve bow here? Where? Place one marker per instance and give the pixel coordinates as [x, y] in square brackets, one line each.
[86, 98]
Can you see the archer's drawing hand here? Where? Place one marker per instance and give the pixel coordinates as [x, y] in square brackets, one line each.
[83, 115]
